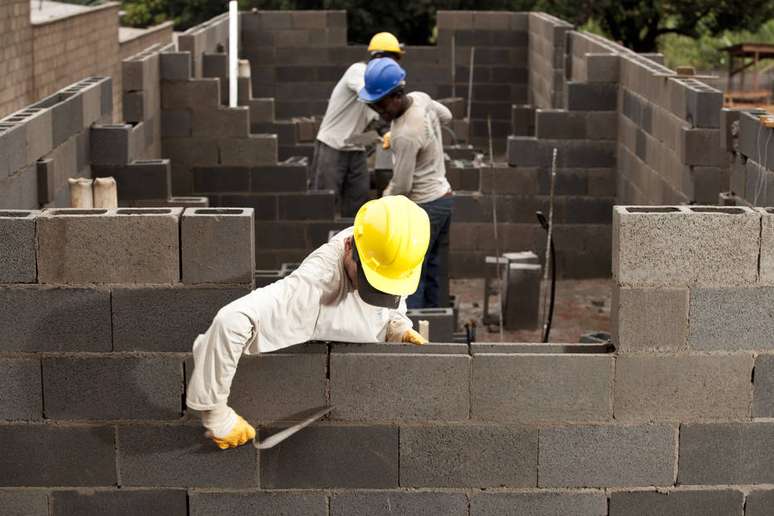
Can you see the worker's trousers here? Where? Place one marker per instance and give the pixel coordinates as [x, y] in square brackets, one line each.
[434, 268]
[216, 353]
[344, 172]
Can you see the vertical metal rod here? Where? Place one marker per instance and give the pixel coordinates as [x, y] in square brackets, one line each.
[233, 52]
[500, 276]
[470, 78]
[550, 232]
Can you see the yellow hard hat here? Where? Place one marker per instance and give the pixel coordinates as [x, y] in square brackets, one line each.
[391, 238]
[385, 42]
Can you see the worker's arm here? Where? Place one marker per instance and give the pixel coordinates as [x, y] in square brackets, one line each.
[404, 150]
[400, 327]
[444, 115]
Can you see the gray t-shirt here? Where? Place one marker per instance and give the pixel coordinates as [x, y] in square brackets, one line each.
[346, 116]
[419, 171]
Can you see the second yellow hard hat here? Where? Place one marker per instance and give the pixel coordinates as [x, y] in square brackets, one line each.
[385, 42]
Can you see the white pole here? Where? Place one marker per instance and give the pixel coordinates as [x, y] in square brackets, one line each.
[233, 50]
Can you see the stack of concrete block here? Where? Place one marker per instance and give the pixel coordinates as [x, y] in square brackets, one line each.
[752, 168]
[46, 143]
[208, 37]
[440, 322]
[547, 60]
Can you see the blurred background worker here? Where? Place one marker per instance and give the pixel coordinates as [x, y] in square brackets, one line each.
[338, 164]
[349, 290]
[419, 171]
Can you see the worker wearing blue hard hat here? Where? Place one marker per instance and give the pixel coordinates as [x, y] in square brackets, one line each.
[419, 171]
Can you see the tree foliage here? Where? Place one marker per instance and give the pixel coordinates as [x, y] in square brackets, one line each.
[638, 24]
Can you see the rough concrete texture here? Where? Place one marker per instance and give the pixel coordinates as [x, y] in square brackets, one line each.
[275, 386]
[589, 503]
[540, 388]
[767, 246]
[125, 245]
[731, 319]
[38, 319]
[333, 457]
[218, 245]
[113, 388]
[203, 503]
[680, 387]
[64, 456]
[726, 453]
[180, 456]
[172, 502]
[468, 456]
[685, 246]
[385, 503]
[763, 387]
[26, 502]
[759, 503]
[649, 319]
[17, 246]
[677, 503]
[21, 387]
[166, 319]
[606, 455]
[400, 387]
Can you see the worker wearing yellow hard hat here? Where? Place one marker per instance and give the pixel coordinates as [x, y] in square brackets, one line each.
[340, 160]
[351, 289]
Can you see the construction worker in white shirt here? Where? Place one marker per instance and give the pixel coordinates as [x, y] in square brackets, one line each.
[339, 164]
[351, 289]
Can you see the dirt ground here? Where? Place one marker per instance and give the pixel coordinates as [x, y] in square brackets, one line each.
[582, 306]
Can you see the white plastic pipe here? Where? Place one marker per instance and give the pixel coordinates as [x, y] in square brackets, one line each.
[81, 192]
[233, 49]
[424, 329]
[105, 193]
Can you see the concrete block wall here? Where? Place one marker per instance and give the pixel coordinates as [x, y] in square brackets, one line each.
[16, 83]
[748, 146]
[47, 142]
[547, 60]
[208, 37]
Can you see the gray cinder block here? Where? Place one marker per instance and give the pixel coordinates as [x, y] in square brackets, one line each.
[224, 122]
[522, 296]
[763, 385]
[175, 66]
[176, 123]
[726, 453]
[218, 245]
[387, 387]
[197, 94]
[17, 246]
[278, 386]
[543, 502]
[518, 387]
[121, 502]
[684, 386]
[325, 456]
[683, 502]
[165, 319]
[602, 67]
[730, 318]
[701, 147]
[522, 120]
[66, 115]
[46, 170]
[134, 106]
[385, 503]
[440, 320]
[635, 309]
[607, 455]
[125, 245]
[468, 456]
[203, 503]
[24, 502]
[47, 455]
[313, 205]
[140, 179]
[767, 243]
[559, 124]
[278, 178]
[759, 502]
[703, 104]
[113, 388]
[592, 96]
[39, 132]
[181, 456]
[20, 384]
[39, 319]
[112, 144]
[685, 246]
[217, 179]
[13, 147]
[729, 129]
[256, 149]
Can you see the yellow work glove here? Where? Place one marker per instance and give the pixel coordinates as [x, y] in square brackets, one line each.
[413, 337]
[386, 140]
[239, 435]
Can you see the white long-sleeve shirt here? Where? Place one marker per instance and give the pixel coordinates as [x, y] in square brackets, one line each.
[346, 116]
[419, 171]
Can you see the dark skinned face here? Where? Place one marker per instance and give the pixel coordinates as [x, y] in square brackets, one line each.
[389, 108]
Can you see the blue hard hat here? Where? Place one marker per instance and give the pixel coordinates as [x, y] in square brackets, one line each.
[382, 76]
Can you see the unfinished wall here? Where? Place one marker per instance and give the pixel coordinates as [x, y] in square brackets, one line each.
[70, 48]
[16, 72]
[751, 151]
[134, 41]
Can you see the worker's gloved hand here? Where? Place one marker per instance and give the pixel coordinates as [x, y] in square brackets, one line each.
[413, 337]
[386, 140]
[226, 428]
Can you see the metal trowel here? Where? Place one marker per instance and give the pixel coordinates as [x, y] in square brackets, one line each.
[274, 439]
